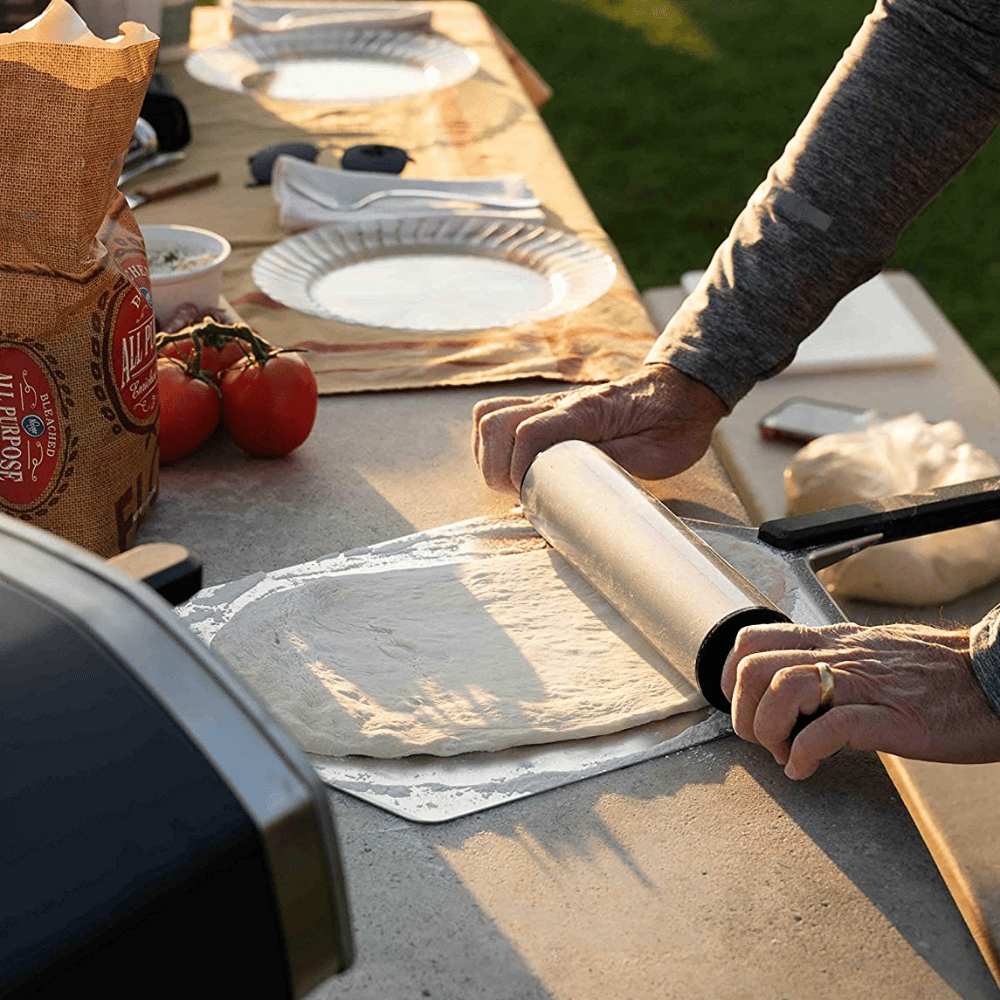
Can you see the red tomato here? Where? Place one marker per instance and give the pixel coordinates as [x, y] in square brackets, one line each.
[269, 408]
[189, 410]
[214, 360]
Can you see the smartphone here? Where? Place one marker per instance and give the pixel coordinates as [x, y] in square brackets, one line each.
[801, 419]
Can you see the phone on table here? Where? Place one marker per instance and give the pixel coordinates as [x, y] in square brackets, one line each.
[800, 419]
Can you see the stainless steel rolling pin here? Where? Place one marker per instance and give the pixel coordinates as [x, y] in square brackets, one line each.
[659, 575]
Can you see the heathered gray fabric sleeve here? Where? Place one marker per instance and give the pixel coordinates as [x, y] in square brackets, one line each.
[913, 98]
[984, 644]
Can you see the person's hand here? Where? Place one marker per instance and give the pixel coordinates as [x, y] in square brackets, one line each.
[653, 423]
[902, 689]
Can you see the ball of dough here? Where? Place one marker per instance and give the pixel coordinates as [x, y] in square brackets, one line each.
[904, 455]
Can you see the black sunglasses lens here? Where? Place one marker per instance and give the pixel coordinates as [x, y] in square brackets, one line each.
[262, 162]
[376, 158]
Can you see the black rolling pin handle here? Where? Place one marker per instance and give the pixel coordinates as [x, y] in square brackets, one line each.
[903, 516]
[716, 646]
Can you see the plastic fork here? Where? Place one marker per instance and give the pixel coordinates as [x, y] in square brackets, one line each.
[489, 201]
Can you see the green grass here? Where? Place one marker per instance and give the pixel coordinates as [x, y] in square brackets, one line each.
[667, 144]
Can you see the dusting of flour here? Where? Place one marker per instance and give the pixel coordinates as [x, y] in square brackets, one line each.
[507, 651]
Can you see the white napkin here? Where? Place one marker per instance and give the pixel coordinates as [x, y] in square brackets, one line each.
[309, 195]
[251, 18]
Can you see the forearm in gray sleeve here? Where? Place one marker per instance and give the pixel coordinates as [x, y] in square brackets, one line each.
[911, 101]
[984, 643]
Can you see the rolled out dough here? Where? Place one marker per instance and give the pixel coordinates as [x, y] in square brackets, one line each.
[507, 651]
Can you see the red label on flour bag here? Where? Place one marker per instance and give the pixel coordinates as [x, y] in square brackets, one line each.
[133, 355]
[32, 464]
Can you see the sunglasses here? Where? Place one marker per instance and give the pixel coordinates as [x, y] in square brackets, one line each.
[371, 156]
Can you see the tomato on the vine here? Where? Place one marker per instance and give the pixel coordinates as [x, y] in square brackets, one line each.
[214, 360]
[189, 409]
[269, 402]
[208, 347]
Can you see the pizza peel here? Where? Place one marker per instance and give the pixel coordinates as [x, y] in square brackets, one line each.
[686, 585]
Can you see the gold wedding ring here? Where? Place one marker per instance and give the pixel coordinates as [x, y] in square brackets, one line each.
[825, 684]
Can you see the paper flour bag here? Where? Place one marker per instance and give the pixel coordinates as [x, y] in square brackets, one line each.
[78, 398]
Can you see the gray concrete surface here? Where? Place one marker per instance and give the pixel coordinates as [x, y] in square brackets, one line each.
[702, 876]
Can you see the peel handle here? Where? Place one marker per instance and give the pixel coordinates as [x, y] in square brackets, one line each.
[906, 515]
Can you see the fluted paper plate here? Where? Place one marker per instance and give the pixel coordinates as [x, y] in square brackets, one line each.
[455, 273]
[329, 65]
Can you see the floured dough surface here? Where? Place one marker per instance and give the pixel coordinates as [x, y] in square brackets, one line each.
[501, 652]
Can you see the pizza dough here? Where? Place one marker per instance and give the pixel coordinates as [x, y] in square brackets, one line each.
[500, 652]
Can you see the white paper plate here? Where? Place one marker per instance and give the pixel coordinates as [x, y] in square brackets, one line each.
[455, 273]
[330, 65]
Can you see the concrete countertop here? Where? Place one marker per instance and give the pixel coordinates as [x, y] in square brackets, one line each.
[701, 875]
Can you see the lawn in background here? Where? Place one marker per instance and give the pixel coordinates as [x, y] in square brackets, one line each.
[669, 115]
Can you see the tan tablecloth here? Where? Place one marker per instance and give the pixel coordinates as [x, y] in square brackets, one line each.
[484, 126]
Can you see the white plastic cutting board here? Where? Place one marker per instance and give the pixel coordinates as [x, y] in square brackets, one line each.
[868, 329]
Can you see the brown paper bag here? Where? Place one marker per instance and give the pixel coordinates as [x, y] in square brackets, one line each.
[78, 398]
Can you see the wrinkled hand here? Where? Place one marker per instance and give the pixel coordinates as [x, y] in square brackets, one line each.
[654, 423]
[903, 689]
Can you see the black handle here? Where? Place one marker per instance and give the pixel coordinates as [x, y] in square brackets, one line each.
[171, 570]
[907, 515]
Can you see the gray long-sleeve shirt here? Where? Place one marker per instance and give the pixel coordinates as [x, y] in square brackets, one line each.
[914, 97]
